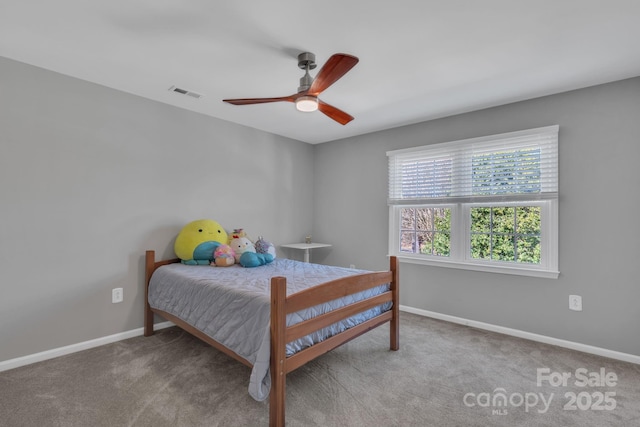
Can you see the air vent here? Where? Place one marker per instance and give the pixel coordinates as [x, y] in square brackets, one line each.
[185, 92]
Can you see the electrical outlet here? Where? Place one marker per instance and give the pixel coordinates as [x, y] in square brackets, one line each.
[117, 295]
[575, 302]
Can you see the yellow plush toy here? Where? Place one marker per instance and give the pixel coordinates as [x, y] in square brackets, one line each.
[198, 240]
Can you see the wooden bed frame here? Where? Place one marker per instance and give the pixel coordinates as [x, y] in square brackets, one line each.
[281, 305]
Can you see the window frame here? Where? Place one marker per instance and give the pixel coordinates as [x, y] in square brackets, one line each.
[460, 237]
[460, 251]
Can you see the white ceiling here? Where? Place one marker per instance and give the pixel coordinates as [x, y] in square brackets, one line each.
[419, 59]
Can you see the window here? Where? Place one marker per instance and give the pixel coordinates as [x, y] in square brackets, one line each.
[485, 203]
[425, 230]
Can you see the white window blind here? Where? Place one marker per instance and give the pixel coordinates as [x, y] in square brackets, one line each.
[512, 166]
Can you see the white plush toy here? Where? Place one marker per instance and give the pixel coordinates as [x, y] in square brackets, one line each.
[241, 245]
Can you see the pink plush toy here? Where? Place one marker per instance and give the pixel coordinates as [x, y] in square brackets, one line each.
[224, 256]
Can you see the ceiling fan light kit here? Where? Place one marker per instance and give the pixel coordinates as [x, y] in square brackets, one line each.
[306, 99]
[307, 103]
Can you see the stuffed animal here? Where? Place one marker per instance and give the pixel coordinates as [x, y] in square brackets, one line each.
[264, 247]
[246, 254]
[253, 259]
[197, 241]
[239, 232]
[240, 245]
[224, 256]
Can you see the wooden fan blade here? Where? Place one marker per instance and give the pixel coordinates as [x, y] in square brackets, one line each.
[248, 101]
[334, 113]
[336, 67]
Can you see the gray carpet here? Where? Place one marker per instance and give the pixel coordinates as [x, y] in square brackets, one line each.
[173, 379]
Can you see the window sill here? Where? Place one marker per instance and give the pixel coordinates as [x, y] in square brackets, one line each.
[499, 269]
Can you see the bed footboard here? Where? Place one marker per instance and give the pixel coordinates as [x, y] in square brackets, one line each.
[281, 305]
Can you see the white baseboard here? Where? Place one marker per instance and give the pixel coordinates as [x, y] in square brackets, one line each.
[526, 335]
[73, 348]
[57, 352]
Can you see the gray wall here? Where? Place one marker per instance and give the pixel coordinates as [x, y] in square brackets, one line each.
[91, 177]
[599, 238]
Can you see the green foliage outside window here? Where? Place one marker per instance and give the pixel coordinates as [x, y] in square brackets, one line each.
[506, 234]
[498, 233]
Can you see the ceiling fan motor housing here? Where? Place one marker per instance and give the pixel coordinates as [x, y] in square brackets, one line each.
[306, 61]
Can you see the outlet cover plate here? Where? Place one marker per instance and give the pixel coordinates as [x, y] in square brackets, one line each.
[117, 295]
[575, 302]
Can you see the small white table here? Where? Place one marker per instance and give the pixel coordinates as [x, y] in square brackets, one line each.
[306, 247]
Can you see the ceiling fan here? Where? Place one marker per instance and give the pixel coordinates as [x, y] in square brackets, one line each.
[306, 99]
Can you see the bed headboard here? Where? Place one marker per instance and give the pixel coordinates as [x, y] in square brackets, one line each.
[150, 267]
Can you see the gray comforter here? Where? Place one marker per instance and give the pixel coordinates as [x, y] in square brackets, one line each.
[232, 306]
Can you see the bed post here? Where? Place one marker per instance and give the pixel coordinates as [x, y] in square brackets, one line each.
[395, 320]
[150, 259]
[278, 355]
